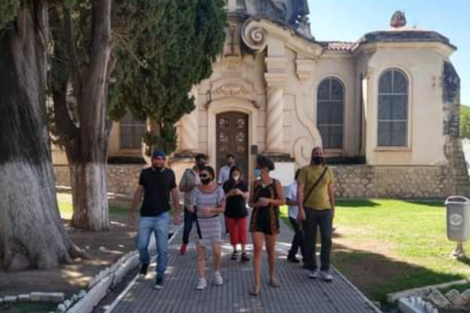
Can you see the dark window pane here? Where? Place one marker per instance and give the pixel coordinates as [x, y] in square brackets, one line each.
[399, 107]
[399, 134]
[385, 84]
[385, 134]
[400, 83]
[336, 137]
[385, 107]
[322, 113]
[325, 134]
[324, 90]
[336, 90]
[336, 113]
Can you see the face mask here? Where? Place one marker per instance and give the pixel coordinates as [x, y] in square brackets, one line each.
[236, 177]
[317, 160]
[206, 181]
[257, 173]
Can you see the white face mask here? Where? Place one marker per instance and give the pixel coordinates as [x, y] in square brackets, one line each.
[236, 177]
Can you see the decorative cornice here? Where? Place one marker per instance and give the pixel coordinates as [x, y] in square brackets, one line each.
[231, 88]
[256, 30]
[275, 80]
[304, 69]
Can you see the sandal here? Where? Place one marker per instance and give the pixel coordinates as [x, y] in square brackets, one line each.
[274, 283]
[255, 292]
[234, 256]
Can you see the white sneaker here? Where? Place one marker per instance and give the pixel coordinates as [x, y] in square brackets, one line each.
[313, 274]
[218, 280]
[326, 275]
[201, 284]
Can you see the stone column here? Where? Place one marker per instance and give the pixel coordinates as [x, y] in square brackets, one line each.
[274, 113]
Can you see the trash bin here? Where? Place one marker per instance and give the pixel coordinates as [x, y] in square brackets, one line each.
[457, 218]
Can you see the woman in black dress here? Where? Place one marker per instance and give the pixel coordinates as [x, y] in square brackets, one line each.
[266, 197]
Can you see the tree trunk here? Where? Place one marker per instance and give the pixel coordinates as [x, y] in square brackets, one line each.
[86, 144]
[31, 230]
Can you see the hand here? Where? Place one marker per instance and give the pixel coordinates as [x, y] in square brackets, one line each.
[131, 222]
[206, 211]
[301, 216]
[332, 214]
[264, 201]
[191, 209]
[177, 219]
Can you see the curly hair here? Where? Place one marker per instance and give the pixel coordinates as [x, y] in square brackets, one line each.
[263, 161]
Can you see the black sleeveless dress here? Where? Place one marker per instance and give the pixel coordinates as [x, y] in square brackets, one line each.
[265, 219]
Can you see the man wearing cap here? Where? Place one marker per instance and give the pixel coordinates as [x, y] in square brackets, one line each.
[155, 185]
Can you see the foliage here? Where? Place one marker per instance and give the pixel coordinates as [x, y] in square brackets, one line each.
[464, 121]
[8, 11]
[164, 48]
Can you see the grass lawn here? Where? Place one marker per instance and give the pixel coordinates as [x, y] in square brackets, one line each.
[66, 210]
[386, 246]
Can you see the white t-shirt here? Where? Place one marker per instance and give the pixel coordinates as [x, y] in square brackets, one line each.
[291, 193]
[224, 174]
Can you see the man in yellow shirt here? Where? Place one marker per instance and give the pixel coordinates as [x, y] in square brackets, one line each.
[315, 195]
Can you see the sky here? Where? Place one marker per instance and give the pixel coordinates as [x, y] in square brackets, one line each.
[348, 20]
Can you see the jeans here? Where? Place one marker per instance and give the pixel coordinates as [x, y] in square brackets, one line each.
[297, 241]
[159, 225]
[189, 219]
[323, 219]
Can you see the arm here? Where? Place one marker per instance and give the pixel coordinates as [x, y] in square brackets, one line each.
[300, 201]
[176, 202]
[291, 202]
[184, 186]
[331, 197]
[281, 200]
[252, 202]
[138, 194]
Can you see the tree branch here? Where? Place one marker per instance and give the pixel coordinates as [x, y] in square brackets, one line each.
[72, 52]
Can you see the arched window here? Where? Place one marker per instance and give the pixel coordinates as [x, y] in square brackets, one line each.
[330, 113]
[131, 132]
[393, 109]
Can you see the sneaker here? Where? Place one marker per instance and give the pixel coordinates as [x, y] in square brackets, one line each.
[313, 274]
[158, 283]
[201, 284]
[234, 256]
[218, 280]
[143, 269]
[293, 259]
[245, 257]
[326, 275]
[183, 248]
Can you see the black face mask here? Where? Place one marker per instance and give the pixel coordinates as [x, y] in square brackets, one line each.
[318, 160]
[206, 181]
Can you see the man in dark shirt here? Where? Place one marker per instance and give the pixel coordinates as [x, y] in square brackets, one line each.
[155, 185]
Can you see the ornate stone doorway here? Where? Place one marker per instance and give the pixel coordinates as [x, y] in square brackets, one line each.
[232, 137]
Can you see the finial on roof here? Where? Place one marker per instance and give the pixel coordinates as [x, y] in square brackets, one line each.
[398, 19]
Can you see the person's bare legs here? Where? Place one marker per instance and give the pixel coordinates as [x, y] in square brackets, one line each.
[217, 252]
[258, 240]
[271, 249]
[201, 260]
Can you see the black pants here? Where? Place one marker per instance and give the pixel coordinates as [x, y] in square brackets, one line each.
[297, 241]
[323, 219]
[189, 219]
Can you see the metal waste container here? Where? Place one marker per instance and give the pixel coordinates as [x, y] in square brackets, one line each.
[457, 218]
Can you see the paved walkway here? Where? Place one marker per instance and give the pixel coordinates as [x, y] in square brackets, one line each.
[297, 293]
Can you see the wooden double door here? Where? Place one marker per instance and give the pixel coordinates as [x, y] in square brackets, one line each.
[232, 137]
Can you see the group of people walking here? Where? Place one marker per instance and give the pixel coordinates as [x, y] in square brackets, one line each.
[311, 205]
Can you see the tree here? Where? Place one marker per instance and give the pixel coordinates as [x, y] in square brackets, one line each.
[464, 121]
[167, 47]
[31, 230]
[81, 65]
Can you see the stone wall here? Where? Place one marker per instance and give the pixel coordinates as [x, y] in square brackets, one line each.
[122, 179]
[364, 181]
[352, 181]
